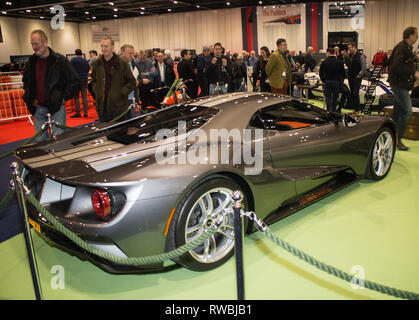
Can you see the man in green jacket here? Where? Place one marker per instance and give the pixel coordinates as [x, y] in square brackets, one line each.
[279, 70]
[112, 81]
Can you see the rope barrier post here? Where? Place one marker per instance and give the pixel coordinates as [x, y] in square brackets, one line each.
[49, 126]
[238, 239]
[18, 186]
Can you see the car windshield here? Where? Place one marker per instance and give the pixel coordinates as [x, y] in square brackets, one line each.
[145, 129]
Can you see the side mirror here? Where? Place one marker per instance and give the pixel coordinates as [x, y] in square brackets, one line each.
[349, 121]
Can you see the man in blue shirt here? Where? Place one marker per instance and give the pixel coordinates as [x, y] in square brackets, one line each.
[81, 65]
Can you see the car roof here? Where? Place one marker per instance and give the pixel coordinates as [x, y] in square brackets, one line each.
[232, 99]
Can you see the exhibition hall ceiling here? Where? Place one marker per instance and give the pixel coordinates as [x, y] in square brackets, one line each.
[85, 11]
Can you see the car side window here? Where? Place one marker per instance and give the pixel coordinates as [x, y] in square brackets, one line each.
[290, 115]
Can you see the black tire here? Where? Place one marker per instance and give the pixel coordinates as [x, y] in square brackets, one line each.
[370, 172]
[176, 234]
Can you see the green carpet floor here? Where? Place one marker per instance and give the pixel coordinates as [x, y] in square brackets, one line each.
[373, 225]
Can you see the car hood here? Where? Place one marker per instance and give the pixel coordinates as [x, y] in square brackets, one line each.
[85, 154]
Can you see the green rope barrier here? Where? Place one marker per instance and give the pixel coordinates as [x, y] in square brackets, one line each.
[336, 272]
[6, 199]
[136, 261]
[24, 143]
[123, 114]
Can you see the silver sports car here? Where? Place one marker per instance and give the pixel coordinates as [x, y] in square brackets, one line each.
[124, 189]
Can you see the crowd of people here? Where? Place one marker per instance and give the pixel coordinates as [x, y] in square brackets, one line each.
[121, 78]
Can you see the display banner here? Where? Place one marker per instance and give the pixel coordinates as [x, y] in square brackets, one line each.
[249, 29]
[314, 25]
[287, 15]
[101, 31]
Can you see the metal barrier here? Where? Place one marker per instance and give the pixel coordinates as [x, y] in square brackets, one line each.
[12, 106]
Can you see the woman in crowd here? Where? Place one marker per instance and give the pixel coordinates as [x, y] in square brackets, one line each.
[259, 71]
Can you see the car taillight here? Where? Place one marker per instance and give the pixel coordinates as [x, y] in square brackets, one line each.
[101, 203]
[107, 202]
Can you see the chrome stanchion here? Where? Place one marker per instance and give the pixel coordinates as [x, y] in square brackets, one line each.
[49, 126]
[18, 186]
[238, 239]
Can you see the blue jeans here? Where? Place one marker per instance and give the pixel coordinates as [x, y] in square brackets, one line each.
[402, 110]
[40, 117]
[212, 86]
[331, 92]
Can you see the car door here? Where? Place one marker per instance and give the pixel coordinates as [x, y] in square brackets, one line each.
[307, 144]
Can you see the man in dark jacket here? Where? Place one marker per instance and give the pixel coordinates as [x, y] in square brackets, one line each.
[204, 59]
[165, 76]
[219, 71]
[239, 70]
[357, 67]
[309, 62]
[402, 79]
[112, 81]
[81, 65]
[332, 73]
[48, 81]
[187, 73]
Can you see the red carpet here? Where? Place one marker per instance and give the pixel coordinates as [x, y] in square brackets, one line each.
[22, 129]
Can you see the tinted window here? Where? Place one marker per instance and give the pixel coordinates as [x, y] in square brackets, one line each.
[289, 115]
[145, 128]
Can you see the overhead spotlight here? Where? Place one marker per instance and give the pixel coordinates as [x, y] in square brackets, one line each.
[86, 12]
[228, 3]
[93, 17]
[3, 12]
[111, 3]
[175, 2]
[142, 12]
[260, 2]
[41, 17]
[115, 9]
[115, 15]
[142, 8]
[197, 6]
[169, 10]
[28, 10]
[8, 3]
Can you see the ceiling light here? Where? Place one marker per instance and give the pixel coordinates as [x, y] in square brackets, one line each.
[41, 17]
[260, 2]
[116, 9]
[142, 8]
[93, 17]
[115, 15]
[142, 12]
[8, 3]
[86, 12]
[175, 2]
[111, 3]
[64, 14]
[228, 3]
[197, 6]
[28, 10]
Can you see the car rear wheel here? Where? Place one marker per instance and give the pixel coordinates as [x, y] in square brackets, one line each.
[195, 214]
[382, 154]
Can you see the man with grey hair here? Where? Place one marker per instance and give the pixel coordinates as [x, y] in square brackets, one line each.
[168, 58]
[204, 59]
[253, 60]
[309, 62]
[127, 53]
